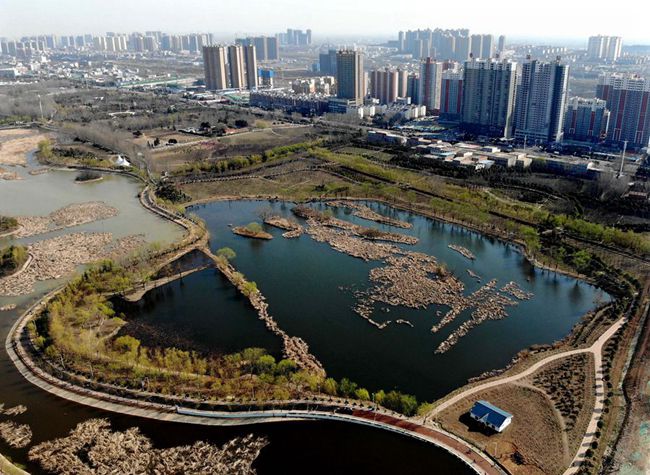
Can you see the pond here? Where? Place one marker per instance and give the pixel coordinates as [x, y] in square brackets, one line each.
[294, 448]
[309, 288]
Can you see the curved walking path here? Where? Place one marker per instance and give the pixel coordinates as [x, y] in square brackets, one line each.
[478, 461]
[595, 349]
[474, 458]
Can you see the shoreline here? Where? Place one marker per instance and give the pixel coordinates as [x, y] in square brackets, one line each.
[83, 182]
[75, 393]
[14, 343]
[10, 233]
[6, 466]
[518, 245]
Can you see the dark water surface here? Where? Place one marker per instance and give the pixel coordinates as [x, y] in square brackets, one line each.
[307, 284]
[223, 319]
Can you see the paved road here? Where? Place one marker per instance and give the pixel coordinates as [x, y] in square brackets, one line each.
[595, 349]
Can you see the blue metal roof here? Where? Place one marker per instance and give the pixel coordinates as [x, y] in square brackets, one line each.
[489, 413]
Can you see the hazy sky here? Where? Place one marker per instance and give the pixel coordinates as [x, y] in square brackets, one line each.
[543, 20]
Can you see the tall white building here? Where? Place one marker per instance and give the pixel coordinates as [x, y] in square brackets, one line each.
[476, 46]
[604, 47]
[488, 46]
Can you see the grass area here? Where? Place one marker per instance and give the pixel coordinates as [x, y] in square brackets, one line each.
[367, 153]
[294, 186]
[532, 444]
[247, 163]
[73, 155]
[272, 135]
[231, 153]
[78, 332]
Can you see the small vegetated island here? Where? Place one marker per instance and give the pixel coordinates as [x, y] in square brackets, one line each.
[12, 258]
[8, 225]
[252, 230]
[88, 176]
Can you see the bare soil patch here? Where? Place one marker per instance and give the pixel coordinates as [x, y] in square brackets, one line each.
[532, 444]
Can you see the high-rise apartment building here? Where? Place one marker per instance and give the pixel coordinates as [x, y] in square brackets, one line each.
[501, 47]
[272, 48]
[476, 46]
[628, 100]
[451, 95]
[250, 66]
[413, 88]
[541, 101]
[463, 48]
[430, 76]
[487, 46]
[402, 83]
[604, 47]
[350, 78]
[236, 67]
[295, 37]
[327, 63]
[488, 97]
[214, 65]
[384, 85]
[266, 47]
[586, 120]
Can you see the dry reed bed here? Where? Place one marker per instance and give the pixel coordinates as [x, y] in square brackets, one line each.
[362, 211]
[463, 251]
[293, 229]
[93, 448]
[412, 279]
[66, 217]
[59, 256]
[15, 435]
[364, 232]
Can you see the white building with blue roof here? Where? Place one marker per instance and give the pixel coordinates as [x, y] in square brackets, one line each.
[490, 416]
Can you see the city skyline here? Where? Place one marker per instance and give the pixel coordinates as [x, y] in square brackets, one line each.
[559, 19]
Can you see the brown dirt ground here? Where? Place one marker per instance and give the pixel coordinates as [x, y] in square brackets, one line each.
[298, 185]
[535, 432]
[586, 395]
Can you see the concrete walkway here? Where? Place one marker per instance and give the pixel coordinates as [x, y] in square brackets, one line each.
[139, 292]
[595, 349]
[473, 457]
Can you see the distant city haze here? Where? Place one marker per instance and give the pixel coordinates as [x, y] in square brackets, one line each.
[549, 21]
